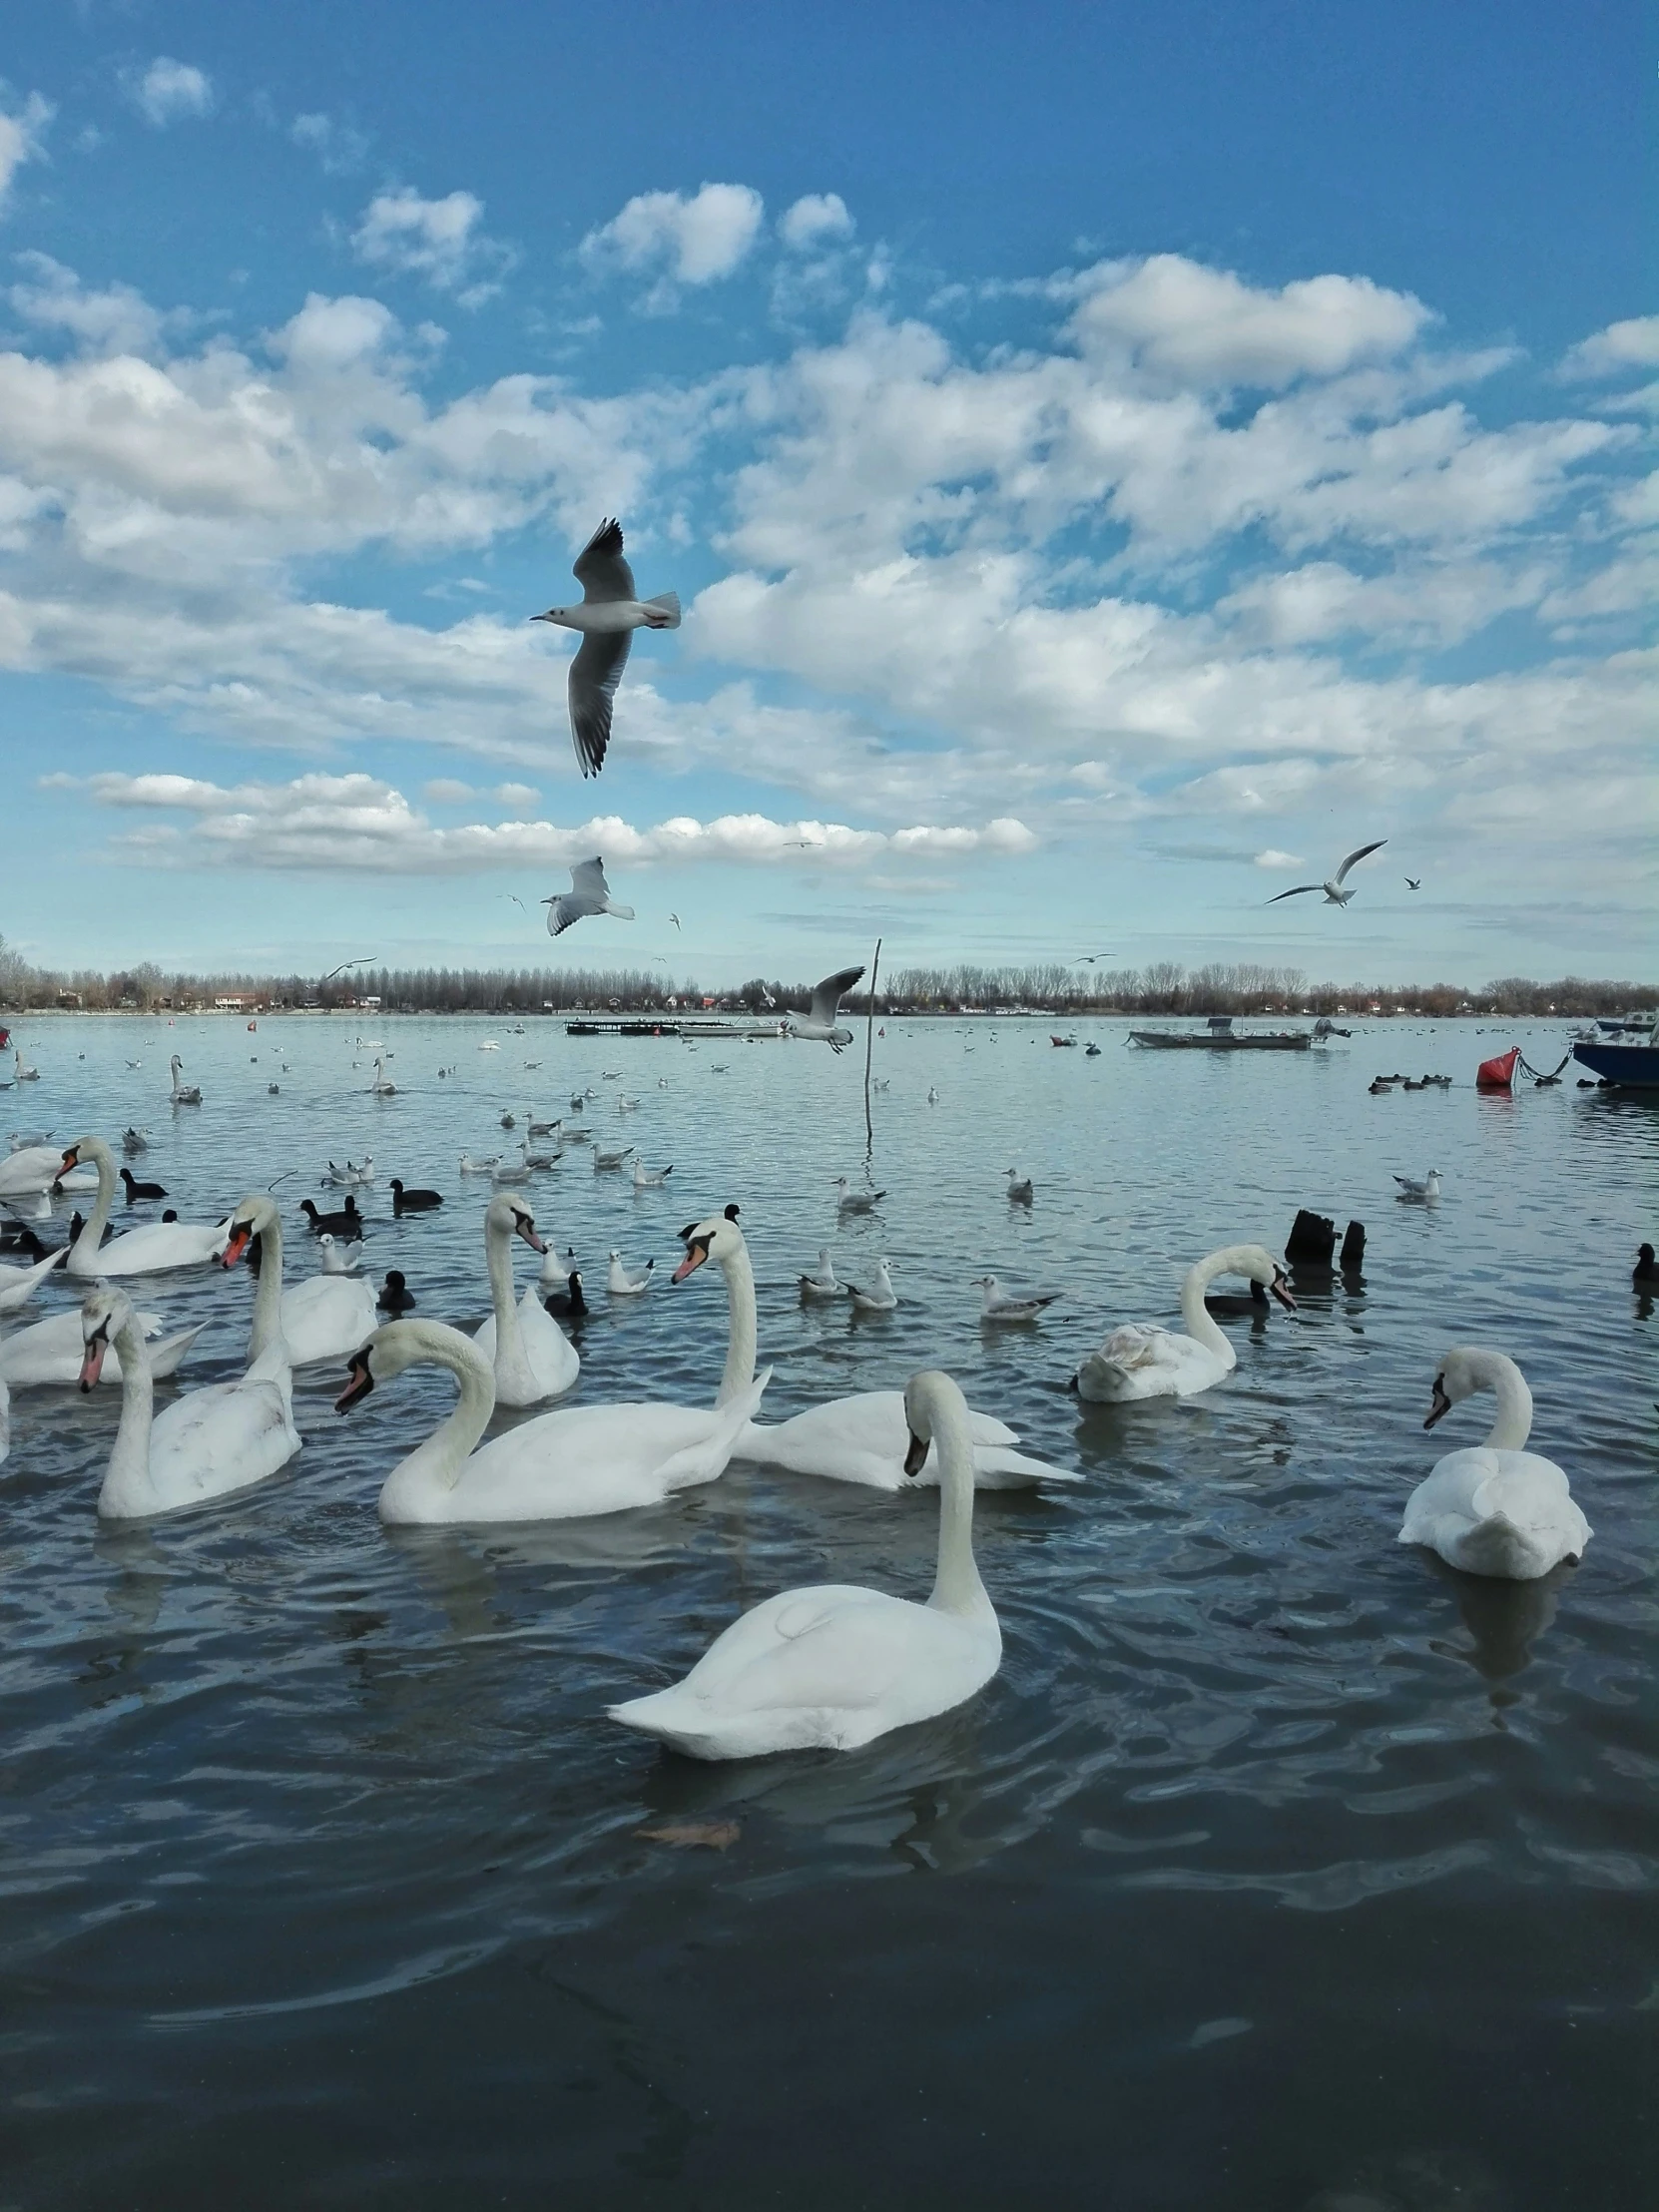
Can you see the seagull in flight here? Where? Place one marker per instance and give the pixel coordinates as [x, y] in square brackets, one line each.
[675, 919]
[819, 1026]
[589, 894]
[610, 613]
[1088, 959]
[1334, 895]
[516, 901]
[1413, 882]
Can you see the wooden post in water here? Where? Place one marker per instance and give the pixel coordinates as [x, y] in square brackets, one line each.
[870, 1048]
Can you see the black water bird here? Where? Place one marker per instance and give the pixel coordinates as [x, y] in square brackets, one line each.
[136, 1189]
[396, 1297]
[348, 1223]
[412, 1202]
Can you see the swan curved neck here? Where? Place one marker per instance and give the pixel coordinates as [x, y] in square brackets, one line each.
[92, 1236]
[739, 1372]
[268, 1294]
[1513, 1422]
[436, 1465]
[129, 1467]
[1199, 1322]
[509, 1339]
[956, 1585]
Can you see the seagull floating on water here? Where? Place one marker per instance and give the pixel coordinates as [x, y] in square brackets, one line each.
[856, 1202]
[819, 1026]
[610, 613]
[1001, 1306]
[1334, 895]
[1019, 1188]
[621, 1283]
[826, 1284]
[1425, 1190]
[589, 894]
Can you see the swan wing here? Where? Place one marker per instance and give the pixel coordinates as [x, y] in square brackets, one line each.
[327, 1317]
[224, 1439]
[1352, 858]
[827, 995]
[601, 569]
[860, 1439]
[158, 1246]
[595, 671]
[831, 1667]
[553, 1357]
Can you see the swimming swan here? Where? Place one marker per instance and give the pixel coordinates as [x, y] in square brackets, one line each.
[160, 1245]
[48, 1353]
[1493, 1510]
[532, 1357]
[861, 1439]
[833, 1667]
[324, 1319]
[208, 1446]
[1150, 1362]
[565, 1466]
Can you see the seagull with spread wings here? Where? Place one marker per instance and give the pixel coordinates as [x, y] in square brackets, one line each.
[819, 1026]
[1334, 895]
[589, 894]
[610, 613]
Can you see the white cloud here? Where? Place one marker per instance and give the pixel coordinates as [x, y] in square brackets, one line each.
[438, 240]
[684, 239]
[815, 220]
[358, 822]
[169, 90]
[1273, 859]
[338, 146]
[115, 320]
[1206, 327]
[21, 138]
[1611, 352]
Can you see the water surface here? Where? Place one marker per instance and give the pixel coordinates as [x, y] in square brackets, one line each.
[1279, 1867]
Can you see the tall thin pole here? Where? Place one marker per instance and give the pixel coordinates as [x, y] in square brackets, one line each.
[869, 1046]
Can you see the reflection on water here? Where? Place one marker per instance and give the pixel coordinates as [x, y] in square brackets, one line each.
[1231, 1884]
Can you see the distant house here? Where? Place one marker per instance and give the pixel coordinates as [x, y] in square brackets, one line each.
[70, 1002]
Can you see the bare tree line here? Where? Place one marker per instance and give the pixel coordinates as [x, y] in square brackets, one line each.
[1164, 987]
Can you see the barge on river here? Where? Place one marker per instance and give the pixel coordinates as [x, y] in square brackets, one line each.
[1636, 1064]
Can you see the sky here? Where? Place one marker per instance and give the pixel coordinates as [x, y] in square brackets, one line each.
[1114, 461]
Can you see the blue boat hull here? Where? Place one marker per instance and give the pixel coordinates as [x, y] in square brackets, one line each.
[1621, 1063]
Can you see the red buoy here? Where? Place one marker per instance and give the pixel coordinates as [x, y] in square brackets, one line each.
[1498, 1074]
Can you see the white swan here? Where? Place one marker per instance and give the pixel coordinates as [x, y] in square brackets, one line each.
[22, 1073]
[861, 1439]
[19, 1284]
[382, 1085]
[532, 1357]
[833, 1667]
[183, 1093]
[32, 1170]
[1496, 1508]
[209, 1444]
[1150, 1362]
[160, 1245]
[48, 1353]
[566, 1466]
[826, 1284]
[323, 1319]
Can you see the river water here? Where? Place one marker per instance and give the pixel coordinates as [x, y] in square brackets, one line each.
[1279, 1866]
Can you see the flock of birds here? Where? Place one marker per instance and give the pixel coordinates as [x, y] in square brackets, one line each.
[828, 1666]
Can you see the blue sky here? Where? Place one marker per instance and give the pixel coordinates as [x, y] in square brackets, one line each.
[1114, 460]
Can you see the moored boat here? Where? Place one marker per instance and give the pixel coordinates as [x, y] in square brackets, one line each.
[1219, 1036]
[1621, 1063]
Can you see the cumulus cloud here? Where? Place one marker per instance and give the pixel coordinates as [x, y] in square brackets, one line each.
[1272, 857]
[1612, 353]
[116, 319]
[818, 219]
[438, 240]
[21, 138]
[358, 822]
[169, 91]
[681, 239]
[1208, 326]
